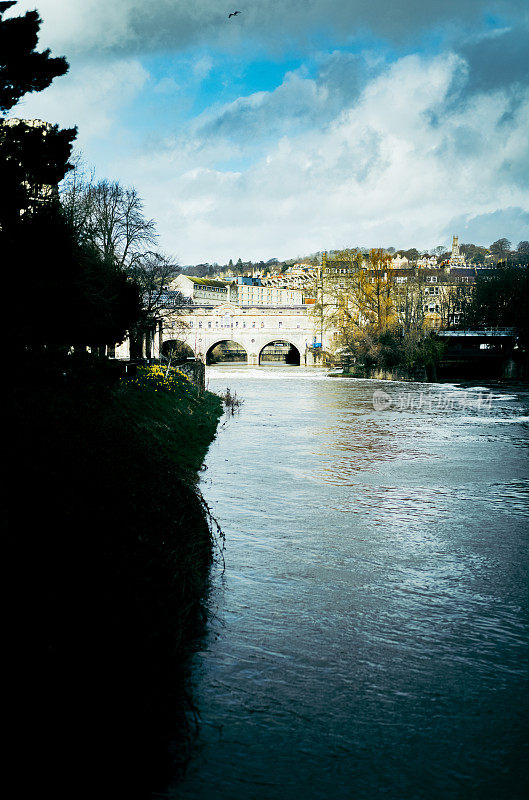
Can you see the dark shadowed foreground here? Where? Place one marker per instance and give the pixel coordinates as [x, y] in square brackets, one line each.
[107, 570]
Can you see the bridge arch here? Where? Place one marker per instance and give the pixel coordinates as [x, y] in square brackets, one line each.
[176, 350]
[280, 351]
[226, 350]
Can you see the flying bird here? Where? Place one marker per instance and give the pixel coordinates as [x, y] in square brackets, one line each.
[233, 14]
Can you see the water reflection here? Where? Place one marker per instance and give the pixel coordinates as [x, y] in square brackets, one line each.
[370, 634]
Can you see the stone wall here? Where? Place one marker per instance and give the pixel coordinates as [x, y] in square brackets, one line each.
[195, 371]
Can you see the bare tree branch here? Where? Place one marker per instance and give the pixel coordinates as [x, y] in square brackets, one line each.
[108, 217]
[153, 271]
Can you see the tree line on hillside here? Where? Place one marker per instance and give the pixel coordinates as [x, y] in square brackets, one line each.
[500, 251]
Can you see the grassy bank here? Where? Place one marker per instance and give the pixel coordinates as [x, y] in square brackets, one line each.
[109, 553]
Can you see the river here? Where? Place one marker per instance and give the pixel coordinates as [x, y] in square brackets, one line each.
[369, 636]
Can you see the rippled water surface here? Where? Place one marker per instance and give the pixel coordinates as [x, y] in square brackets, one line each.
[369, 637]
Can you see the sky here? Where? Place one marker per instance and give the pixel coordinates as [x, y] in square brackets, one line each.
[300, 125]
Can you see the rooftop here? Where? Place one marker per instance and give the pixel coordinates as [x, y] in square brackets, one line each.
[208, 282]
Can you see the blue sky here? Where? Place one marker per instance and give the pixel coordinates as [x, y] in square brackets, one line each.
[300, 125]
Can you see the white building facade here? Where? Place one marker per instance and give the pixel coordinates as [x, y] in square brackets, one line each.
[253, 328]
[209, 291]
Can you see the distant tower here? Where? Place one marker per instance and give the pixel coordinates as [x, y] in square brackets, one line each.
[456, 258]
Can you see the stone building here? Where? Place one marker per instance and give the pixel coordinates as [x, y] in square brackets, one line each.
[244, 291]
[429, 296]
[204, 290]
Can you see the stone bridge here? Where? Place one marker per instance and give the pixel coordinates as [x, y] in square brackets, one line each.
[252, 328]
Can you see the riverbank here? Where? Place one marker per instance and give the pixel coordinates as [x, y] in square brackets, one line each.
[109, 557]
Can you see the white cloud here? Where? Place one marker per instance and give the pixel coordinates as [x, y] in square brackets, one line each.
[80, 25]
[386, 170]
[90, 96]
[203, 67]
[296, 103]
[354, 152]
[166, 86]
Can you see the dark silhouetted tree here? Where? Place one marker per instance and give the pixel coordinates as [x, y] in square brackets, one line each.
[500, 248]
[108, 217]
[33, 159]
[411, 255]
[152, 273]
[473, 253]
[65, 293]
[22, 68]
